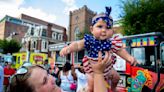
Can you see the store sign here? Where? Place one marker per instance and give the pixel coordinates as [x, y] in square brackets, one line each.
[38, 58]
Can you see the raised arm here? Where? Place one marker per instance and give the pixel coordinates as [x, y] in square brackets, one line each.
[74, 46]
[125, 55]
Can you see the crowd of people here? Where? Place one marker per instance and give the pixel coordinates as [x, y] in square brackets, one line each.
[42, 78]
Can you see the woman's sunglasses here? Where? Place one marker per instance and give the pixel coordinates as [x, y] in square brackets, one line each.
[23, 71]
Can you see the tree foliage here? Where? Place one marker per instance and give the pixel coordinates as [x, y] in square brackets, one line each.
[82, 33]
[9, 46]
[142, 16]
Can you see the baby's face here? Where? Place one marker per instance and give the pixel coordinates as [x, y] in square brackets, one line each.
[101, 31]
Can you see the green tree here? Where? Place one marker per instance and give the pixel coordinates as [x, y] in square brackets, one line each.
[10, 46]
[142, 16]
[83, 32]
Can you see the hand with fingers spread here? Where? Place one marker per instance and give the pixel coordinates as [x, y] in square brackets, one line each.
[101, 64]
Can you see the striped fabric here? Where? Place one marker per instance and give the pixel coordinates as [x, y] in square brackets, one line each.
[88, 61]
[116, 43]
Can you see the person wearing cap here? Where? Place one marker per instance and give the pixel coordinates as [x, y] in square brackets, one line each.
[8, 72]
[101, 40]
[46, 64]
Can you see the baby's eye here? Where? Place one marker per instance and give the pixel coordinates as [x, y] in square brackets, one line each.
[99, 26]
[108, 27]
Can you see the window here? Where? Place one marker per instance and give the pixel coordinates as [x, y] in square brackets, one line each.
[60, 59]
[77, 32]
[90, 20]
[140, 56]
[44, 45]
[77, 18]
[32, 31]
[59, 36]
[36, 32]
[34, 44]
[14, 20]
[44, 33]
[54, 35]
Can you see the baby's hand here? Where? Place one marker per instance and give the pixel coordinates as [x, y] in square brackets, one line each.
[134, 62]
[64, 51]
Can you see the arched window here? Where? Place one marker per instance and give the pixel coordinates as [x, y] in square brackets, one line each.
[54, 35]
[77, 32]
[44, 45]
[32, 31]
[34, 44]
[44, 33]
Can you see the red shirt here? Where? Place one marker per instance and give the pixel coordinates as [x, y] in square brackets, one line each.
[8, 71]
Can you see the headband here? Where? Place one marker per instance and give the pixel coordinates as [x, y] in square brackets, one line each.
[105, 16]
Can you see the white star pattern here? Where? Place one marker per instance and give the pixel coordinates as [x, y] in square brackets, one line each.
[93, 45]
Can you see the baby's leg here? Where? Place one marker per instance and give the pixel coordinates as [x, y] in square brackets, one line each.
[90, 82]
[114, 77]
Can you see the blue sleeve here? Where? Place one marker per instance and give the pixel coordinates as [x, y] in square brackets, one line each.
[86, 42]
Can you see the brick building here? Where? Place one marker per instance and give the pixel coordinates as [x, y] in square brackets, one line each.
[33, 33]
[79, 20]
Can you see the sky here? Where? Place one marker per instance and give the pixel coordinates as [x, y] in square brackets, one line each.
[55, 11]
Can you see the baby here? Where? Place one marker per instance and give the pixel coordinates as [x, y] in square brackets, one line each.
[101, 40]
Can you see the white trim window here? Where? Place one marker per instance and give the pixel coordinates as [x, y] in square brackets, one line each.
[44, 47]
[77, 31]
[59, 36]
[44, 33]
[54, 35]
[34, 44]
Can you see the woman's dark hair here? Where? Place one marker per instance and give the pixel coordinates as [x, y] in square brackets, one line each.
[67, 66]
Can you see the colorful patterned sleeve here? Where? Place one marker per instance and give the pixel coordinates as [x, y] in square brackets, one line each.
[116, 43]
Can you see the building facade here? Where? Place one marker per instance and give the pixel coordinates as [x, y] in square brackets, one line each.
[79, 20]
[33, 33]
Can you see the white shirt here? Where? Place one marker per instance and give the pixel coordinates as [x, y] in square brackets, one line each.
[81, 80]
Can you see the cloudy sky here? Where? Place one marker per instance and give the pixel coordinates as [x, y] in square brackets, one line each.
[55, 11]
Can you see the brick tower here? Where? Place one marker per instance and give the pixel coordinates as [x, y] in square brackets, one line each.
[80, 20]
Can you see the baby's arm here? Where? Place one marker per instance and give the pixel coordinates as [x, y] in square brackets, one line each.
[74, 46]
[125, 55]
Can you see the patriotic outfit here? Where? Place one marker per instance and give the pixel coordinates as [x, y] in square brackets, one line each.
[93, 45]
